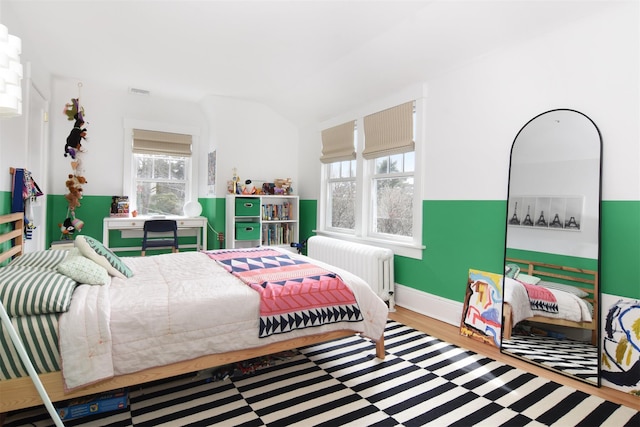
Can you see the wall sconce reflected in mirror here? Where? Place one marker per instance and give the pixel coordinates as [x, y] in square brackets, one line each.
[10, 74]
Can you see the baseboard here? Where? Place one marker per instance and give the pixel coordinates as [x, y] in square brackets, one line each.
[439, 308]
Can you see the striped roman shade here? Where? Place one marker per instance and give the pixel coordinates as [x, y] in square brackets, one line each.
[337, 143]
[389, 132]
[154, 142]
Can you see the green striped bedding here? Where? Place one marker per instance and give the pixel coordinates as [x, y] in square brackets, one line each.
[34, 295]
[39, 334]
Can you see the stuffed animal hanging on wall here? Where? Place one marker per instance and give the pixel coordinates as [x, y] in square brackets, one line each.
[75, 112]
[73, 147]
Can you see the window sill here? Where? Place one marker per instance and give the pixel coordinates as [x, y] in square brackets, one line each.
[402, 249]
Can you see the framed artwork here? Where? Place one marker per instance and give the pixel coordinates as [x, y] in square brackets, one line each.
[211, 169]
[551, 212]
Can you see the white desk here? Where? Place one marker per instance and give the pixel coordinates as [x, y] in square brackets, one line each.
[133, 227]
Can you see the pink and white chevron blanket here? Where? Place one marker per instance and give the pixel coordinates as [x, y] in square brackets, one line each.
[541, 298]
[294, 294]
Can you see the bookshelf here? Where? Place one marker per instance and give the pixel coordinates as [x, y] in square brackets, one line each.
[255, 220]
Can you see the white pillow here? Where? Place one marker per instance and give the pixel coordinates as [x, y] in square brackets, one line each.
[82, 269]
[566, 288]
[529, 280]
[98, 253]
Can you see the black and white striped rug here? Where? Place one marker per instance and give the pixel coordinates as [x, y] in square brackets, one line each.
[575, 358]
[422, 381]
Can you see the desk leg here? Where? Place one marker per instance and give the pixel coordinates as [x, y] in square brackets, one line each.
[105, 236]
[204, 236]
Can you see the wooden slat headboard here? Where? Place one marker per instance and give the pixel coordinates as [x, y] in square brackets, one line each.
[13, 235]
[586, 280]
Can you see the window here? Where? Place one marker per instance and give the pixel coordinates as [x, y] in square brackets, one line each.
[158, 169]
[392, 195]
[342, 195]
[374, 197]
[161, 183]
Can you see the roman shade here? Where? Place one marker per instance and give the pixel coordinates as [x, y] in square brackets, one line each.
[154, 142]
[337, 143]
[389, 132]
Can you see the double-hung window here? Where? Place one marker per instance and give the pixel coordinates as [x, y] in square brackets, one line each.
[369, 180]
[160, 172]
[392, 195]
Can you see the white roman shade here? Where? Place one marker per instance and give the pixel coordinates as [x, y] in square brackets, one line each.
[337, 143]
[154, 142]
[389, 132]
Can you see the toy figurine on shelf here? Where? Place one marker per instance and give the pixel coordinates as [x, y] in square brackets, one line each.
[235, 188]
[248, 187]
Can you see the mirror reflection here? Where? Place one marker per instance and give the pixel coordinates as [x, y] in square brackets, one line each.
[551, 293]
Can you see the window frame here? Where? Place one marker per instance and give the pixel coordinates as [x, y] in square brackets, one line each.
[411, 247]
[372, 176]
[329, 210]
[129, 172]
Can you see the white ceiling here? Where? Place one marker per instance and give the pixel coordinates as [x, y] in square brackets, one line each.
[307, 59]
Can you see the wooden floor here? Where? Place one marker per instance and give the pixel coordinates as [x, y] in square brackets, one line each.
[451, 334]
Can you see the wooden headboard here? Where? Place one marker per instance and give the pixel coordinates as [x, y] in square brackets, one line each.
[12, 234]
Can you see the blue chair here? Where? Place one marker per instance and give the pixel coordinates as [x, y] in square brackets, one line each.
[151, 239]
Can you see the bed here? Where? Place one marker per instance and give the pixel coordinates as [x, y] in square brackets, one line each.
[184, 323]
[575, 291]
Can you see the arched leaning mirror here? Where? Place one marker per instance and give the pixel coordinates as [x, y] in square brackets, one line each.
[552, 254]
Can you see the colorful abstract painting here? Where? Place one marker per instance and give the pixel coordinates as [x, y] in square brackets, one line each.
[482, 311]
[621, 344]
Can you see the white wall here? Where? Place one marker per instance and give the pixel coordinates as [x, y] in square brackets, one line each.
[106, 108]
[247, 135]
[253, 138]
[475, 111]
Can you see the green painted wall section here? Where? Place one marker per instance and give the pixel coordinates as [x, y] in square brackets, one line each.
[620, 248]
[214, 210]
[5, 202]
[308, 218]
[458, 235]
[95, 208]
[92, 210]
[5, 207]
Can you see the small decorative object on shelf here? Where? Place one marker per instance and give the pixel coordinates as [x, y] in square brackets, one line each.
[119, 206]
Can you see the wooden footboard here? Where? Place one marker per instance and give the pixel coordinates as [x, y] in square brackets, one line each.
[21, 393]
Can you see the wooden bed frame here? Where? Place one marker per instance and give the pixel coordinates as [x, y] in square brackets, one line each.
[21, 393]
[586, 280]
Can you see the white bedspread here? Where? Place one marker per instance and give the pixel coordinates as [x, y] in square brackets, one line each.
[85, 347]
[178, 307]
[570, 307]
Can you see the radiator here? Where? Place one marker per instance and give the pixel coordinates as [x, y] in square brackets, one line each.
[371, 263]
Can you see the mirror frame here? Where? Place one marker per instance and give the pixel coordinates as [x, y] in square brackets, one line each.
[597, 315]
